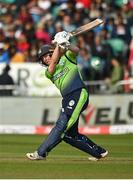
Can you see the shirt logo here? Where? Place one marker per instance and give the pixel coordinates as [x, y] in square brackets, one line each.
[71, 103]
[60, 74]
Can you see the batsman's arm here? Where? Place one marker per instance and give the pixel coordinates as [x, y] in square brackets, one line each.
[74, 49]
[71, 53]
[54, 59]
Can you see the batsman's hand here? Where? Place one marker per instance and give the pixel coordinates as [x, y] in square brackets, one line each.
[64, 46]
[61, 35]
[62, 39]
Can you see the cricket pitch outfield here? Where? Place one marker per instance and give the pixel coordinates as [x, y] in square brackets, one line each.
[65, 161]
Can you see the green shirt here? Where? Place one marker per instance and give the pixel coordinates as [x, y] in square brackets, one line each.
[66, 76]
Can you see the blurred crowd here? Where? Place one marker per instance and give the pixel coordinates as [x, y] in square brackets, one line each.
[106, 52]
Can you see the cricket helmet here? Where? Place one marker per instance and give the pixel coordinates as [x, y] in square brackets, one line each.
[45, 49]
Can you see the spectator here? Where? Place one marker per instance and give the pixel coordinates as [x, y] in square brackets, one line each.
[4, 55]
[24, 14]
[33, 52]
[116, 75]
[103, 51]
[126, 86]
[2, 34]
[130, 60]
[120, 30]
[67, 24]
[34, 23]
[6, 79]
[42, 34]
[22, 43]
[80, 15]
[58, 27]
[94, 12]
[15, 55]
[50, 26]
[110, 25]
[81, 42]
[35, 11]
[44, 5]
[84, 65]
[86, 3]
[29, 31]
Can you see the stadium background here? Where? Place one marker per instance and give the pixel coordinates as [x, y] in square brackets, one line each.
[30, 104]
[105, 61]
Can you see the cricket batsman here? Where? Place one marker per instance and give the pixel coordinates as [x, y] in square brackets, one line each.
[62, 70]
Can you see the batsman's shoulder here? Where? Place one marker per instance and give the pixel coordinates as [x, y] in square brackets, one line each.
[71, 54]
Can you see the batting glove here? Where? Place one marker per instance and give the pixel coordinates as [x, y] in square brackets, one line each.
[62, 34]
[64, 46]
[61, 37]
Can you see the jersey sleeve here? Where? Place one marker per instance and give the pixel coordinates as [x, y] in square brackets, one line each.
[71, 56]
[48, 75]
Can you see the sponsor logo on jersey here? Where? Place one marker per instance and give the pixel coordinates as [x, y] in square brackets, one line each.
[60, 74]
[71, 104]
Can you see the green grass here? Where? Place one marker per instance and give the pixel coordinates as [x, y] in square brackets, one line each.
[65, 161]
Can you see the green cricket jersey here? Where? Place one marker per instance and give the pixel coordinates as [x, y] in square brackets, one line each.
[66, 76]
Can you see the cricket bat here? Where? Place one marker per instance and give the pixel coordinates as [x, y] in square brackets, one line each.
[86, 27]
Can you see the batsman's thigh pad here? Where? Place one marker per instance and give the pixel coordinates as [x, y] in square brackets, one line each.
[76, 105]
